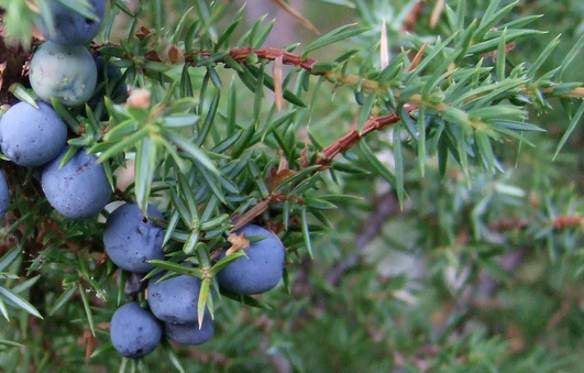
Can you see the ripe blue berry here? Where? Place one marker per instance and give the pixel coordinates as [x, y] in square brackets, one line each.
[31, 136]
[4, 195]
[67, 73]
[190, 334]
[79, 189]
[174, 300]
[70, 27]
[261, 269]
[134, 331]
[130, 239]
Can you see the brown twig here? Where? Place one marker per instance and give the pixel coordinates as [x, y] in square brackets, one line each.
[241, 54]
[278, 56]
[567, 221]
[325, 159]
[200, 58]
[238, 54]
[353, 136]
[242, 220]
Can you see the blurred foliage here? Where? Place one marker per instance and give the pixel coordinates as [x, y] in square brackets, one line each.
[480, 270]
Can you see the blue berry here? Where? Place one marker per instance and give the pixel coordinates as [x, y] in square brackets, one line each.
[175, 300]
[190, 334]
[67, 73]
[4, 194]
[130, 239]
[79, 189]
[70, 27]
[134, 331]
[30, 136]
[261, 269]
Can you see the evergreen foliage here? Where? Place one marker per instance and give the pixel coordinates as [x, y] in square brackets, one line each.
[420, 165]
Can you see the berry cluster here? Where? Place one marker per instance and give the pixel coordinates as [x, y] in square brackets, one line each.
[131, 239]
[35, 136]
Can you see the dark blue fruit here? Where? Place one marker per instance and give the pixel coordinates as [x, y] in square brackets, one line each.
[4, 195]
[79, 189]
[70, 27]
[134, 331]
[130, 239]
[190, 334]
[67, 73]
[261, 270]
[30, 136]
[175, 300]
